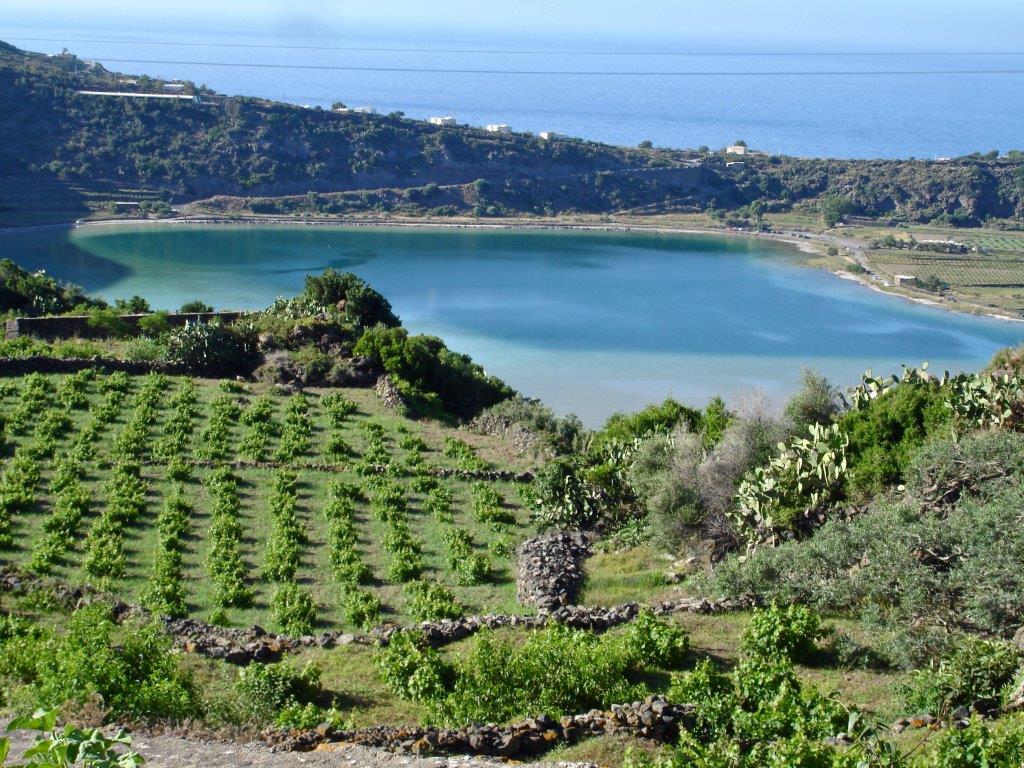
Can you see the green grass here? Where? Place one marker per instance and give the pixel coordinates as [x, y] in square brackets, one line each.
[626, 576]
[141, 537]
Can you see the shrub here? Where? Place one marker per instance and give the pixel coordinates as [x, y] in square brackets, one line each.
[559, 497]
[625, 427]
[430, 602]
[108, 323]
[70, 746]
[36, 293]
[412, 669]
[979, 744]
[360, 303]
[557, 670]
[776, 499]
[212, 349]
[973, 674]
[138, 676]
[910, 574]
[294, 609]
[436, 379]
[886, 432]
[155, 323]
[756, 710]
[655, 642]
[791, 633]
[816, 402]
[264, 689]
[195, 306]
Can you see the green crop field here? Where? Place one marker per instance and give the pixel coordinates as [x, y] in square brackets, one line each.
[982, 279]
[217, 499]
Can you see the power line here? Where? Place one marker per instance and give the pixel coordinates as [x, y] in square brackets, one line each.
[575, 73]
[518, 51]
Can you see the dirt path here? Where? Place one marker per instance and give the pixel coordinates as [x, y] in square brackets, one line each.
[177, 752]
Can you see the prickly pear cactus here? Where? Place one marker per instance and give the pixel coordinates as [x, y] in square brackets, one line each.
[803, 477]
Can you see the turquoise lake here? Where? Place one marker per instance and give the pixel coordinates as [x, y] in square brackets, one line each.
[590, 322]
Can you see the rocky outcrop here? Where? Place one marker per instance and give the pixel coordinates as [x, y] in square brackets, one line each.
[655, 718]
[551, 569]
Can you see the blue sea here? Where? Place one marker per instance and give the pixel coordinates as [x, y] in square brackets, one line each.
[813, 104]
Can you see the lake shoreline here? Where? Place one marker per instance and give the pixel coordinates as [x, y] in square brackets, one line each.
[808, 243]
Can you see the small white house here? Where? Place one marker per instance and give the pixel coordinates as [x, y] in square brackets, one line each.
[442, 120]
[553, 135]
[364, 110]
[736, 149]
[497, 128]
[901, 279]
[174, 87]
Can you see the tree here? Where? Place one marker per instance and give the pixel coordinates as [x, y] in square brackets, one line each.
[834, 209]
[196, 306]
[646, 144]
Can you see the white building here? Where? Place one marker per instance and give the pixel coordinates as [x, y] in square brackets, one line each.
[442, 120]
[736, 149]
[901, 279]
[497, 128]
[552, 135]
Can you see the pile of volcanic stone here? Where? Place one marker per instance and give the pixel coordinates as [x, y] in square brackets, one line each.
[551, 569]
[654, 718]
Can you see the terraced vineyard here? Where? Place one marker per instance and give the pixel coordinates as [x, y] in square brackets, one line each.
[234, 502]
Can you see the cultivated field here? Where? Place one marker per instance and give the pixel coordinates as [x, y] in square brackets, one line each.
[214, 499]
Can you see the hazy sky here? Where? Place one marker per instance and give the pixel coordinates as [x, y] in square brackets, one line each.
[910, 25]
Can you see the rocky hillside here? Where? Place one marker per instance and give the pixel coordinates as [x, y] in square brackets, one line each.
[76, 153]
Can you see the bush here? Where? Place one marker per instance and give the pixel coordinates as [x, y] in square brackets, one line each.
[556, 671]
[559, 496]
[412, 669]
[437, 380]
[138, 676]
[790, 633]
[758, 715]
[195, 306]
[154, 324]
[910, 573]
[625, 427]
[655, 642]
[108, 323]
[294, 609]
[431, 602]
[360, 303]
[816, 402]
[979, 744]
[973, 674]
[264, 689]
[886, 433]
[212, 349]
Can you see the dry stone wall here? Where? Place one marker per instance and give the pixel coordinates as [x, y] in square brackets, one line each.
[654, 718]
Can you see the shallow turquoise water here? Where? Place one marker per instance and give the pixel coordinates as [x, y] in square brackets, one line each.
[589, 322]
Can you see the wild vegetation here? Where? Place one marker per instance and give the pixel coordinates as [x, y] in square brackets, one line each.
[879, 527]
